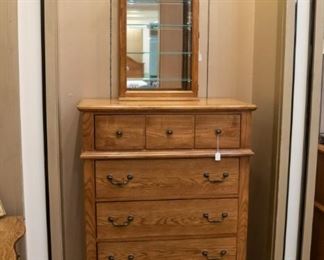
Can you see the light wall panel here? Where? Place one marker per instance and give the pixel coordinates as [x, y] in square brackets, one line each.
[231, 38]
[83, 71]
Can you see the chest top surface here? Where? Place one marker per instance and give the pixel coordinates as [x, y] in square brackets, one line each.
[207, 105]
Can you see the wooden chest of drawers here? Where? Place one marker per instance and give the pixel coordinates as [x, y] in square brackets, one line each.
[152, 186]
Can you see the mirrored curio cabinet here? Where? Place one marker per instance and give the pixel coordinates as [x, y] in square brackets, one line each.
[166, 174]
[158, 48]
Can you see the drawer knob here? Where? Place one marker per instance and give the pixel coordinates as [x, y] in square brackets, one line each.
[126, 223]
[222, 253]
[130, 257]
[119, 133]
[223, 216]
[218, 131]
[169, 132]
[218, 180]
[120, 183]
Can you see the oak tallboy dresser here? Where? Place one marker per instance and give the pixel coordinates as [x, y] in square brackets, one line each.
[166, 179]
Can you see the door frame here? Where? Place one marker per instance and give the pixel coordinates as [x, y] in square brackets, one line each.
[313, 128]
[283, 154]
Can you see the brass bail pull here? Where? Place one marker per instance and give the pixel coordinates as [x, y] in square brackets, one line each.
[122, 182]
[130, 257]
[126, 223]
[218, 180]
[219, 220]
[222, 253]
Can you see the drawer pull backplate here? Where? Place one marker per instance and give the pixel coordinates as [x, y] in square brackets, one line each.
[122, 182]
[219, 180]
[221, 255]
[130, 257]
[215, 221]
[126, 223]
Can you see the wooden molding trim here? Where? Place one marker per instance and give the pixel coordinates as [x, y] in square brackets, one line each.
[200, 105]
[166, 154]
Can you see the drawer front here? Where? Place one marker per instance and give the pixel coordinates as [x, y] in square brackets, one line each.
[170, 132]
[189, 249]
[166, 179]
[121, 132]
[207, 125]
[158, 219]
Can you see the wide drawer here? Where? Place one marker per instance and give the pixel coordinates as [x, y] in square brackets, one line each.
[170, 132]
[166, 179]
[228, 126]
[162, 219]
[122, 132]
[189, 249]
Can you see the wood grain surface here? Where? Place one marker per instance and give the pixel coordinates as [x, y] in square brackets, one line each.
[243, 210]
[189, 249]
[155, 179]
[147, 185]
[11, 230]
[87, 131]
[181, 127]
[89, 210]
[161, 219]
[201, 153]
[199, 105]
[229, 124]
[246, 129]
[131, 126]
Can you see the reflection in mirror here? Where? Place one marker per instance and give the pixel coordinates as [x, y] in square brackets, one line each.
[159, 49]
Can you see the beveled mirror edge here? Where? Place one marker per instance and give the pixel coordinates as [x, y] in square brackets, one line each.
[125, 94]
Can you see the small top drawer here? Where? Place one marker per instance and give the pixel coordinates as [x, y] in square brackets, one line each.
[170, 132]
[228, 126]
[119, 132]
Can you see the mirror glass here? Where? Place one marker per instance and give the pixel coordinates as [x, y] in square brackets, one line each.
[159, 49]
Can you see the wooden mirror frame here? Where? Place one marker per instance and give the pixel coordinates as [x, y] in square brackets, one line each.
[125, 93]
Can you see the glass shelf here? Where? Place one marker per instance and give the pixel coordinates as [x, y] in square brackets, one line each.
[133, 2]
[161, 26]
[162, 53]
[160, 79]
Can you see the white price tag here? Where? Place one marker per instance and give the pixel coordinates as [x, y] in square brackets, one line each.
[218, 156]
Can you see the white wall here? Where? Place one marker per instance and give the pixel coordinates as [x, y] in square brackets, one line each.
[30, 81]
